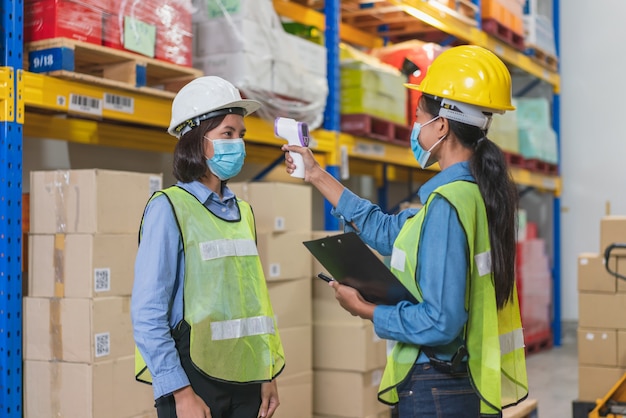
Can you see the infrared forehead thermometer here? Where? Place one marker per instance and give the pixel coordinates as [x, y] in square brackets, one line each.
[295, 133]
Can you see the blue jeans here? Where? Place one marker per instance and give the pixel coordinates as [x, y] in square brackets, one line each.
[429, 393]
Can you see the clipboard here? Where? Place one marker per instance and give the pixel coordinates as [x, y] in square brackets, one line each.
[351, 262]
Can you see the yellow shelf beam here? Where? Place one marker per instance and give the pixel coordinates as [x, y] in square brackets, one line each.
[544, 182]
[94, 132]
[308, 16]
[7, 98]
[47, 93]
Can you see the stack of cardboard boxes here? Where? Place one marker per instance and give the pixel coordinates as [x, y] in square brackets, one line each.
[78, 342]
[283, 215]
[348, 356]
[602, 314]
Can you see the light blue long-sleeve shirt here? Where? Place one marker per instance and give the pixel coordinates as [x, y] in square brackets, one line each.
[157, 297]
[441, 271]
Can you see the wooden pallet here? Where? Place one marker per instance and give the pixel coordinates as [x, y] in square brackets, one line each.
[543, 58]
[538, 341]
[465, 9]
[100, 65]
[539, 166]
[514, 160]
[497, 29]
[369, 126]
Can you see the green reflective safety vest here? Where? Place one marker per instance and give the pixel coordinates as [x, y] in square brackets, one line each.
[234, 336]
[494, 338]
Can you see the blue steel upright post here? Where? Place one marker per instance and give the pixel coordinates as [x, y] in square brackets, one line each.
[556, 208]
[332, 112]
[11, 215]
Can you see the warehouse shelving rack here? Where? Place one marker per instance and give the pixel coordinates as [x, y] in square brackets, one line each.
[37, 99]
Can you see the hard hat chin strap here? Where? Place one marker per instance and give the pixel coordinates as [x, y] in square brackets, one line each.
[464, 113]
[189, 124]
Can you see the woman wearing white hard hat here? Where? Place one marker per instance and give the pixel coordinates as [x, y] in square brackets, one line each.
[203, 324]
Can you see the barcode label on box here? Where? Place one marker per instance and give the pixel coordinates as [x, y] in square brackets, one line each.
[103, 344]
[124, 104]
[279, 223]
[155, 184]
[102, 279]
[274, 269]
[85, 104]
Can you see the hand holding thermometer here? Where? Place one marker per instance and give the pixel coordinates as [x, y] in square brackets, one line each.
[295, 133]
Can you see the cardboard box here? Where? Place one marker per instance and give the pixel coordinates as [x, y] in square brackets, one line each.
[89, 201]
[613, 231]
[328, 310]
[296, 396]
[621, 349]
[278, 207]
[291, 301]
[77, 330]
[594, 382]
[298, 346]
[601, 310]
[74, 390]
[331, 397]
[283, 255]
[81, 265]
[592, 274]
[621, 269]
[350, 347]
[597, 347]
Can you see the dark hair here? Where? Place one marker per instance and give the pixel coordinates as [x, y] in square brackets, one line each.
[489, 168]
[189, 160]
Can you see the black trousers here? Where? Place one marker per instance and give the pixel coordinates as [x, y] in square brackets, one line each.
[226, 400]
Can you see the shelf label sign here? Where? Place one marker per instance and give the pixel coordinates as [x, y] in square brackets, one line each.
[51, 59]
[85, 104]
[119, 103]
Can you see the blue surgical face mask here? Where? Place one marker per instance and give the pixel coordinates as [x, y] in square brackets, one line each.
[421, 155]
[228, 157]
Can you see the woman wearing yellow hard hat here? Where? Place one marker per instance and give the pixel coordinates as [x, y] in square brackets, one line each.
[459, 352]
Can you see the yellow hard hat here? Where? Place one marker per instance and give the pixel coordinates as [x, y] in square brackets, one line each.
[469, 74]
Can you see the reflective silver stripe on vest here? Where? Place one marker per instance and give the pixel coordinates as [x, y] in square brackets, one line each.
[210, 250]
[483, 263]
[245, 327]
[511, 341]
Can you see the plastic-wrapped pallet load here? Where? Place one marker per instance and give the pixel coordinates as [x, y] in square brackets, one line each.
[158, 29]
[504, 131]
[369, 86]
[245, 43]
[537, 139]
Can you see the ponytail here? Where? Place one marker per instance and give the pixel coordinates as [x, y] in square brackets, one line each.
[489, 168]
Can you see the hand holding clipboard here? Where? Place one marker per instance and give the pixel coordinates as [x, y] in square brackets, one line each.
[351, 262]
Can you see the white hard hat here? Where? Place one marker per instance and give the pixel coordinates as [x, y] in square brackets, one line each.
[204, 98]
